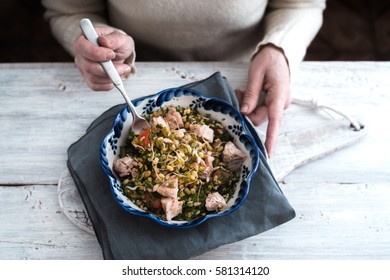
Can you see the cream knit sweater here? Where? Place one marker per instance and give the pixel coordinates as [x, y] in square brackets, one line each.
[201, 30]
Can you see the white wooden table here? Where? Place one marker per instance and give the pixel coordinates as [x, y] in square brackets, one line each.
[342, 201]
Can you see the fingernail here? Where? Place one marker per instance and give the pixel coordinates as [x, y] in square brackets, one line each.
[125, 72]
[110, 55]
[244, 108]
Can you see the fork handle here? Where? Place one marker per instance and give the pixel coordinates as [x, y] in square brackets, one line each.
[90, 33]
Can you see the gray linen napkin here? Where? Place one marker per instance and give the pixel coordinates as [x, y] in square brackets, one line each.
[125, 236]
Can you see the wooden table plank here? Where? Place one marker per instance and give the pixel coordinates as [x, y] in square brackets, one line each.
[33, 227]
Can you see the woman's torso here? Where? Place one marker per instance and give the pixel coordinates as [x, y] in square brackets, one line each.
[190, 30]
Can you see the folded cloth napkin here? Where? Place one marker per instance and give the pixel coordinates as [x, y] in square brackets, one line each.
[125, 236]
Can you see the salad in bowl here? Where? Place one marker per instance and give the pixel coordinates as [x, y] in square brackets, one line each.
[195, 162]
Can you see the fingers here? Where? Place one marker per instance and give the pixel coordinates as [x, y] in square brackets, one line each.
[268, 72]
[122, 44]
[94, 75]
[259, 115]
[277, 99]
[115, 46]
[83, 48]
[251, 95]
[275, 116]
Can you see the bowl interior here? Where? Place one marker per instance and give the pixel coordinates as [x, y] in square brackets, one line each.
[217, 109]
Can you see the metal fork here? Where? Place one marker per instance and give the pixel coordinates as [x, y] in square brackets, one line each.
[139, 123]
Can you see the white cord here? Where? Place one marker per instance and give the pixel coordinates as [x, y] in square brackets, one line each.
[314, 104]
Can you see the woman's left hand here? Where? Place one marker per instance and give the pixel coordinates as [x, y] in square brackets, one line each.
[268, 72]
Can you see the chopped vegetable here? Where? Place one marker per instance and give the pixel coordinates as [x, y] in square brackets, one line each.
[143, 137]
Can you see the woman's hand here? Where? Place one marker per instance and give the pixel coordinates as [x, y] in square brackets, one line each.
[268, 72]
[114, 45]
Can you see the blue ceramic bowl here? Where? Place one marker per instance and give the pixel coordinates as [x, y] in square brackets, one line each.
[216, 109]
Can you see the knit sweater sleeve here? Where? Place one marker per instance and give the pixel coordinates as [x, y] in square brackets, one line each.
[64, 18]
[292, 25]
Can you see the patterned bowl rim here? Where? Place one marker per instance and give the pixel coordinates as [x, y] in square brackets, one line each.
[170, 93]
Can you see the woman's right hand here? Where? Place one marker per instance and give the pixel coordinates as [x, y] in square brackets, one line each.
[114, 45]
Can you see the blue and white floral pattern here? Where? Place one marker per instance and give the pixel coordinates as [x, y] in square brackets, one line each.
[217, 109]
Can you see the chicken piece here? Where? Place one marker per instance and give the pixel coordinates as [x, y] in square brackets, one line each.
[168, 188]
[167, 141]
[217, 143]
[203, 131]
[171, 206]
[208, 164]
[179, 133]
[215, 201]
[158, 123]
[232, 156]
[174, 119]
[125, 166]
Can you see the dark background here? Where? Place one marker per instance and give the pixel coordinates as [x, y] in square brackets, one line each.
[352, 30]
